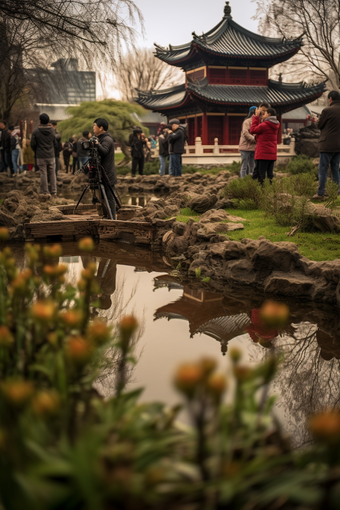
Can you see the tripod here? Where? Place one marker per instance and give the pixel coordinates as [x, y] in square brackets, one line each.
[96, 185]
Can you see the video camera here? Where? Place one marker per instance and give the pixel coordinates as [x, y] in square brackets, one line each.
[89, 144]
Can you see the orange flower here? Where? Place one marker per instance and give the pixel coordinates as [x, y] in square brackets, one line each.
[4, 234]
[79, 350]
[274, 314]
[6, 337]
[188, 377]
[98, 333]
[46, 403]
[43, 311]
[53, 252]
[17, 393]
[20, 283]
[86, 244]
[72, 317]
[217, 384]
[243, 373]
[235, 354]
[325, 426]
[55, 271]
[127, 327]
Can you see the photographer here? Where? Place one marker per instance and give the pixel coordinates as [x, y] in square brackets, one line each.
[106, 150]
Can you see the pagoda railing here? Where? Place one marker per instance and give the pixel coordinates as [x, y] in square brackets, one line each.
[225, 150]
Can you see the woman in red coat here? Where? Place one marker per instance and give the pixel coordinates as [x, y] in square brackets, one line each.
[266, 148]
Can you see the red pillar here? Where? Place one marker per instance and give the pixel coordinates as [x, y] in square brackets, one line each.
[204, 129]
[226, 130]
[196, 129]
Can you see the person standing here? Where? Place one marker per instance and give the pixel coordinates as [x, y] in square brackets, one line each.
[75, 162]
[67, 151]
[247, 145]
[15, 150]
[28, 156]
[163, 150]
[83, 154]
[177, 139]
[6, 146]
[106, 151]
[266, 147]
[44, 144]
[329, 142]
[59, 146]
[137, 144]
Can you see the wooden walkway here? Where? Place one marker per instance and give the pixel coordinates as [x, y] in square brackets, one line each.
[87, 223]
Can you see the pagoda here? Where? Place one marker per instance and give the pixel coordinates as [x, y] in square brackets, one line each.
[226, 72]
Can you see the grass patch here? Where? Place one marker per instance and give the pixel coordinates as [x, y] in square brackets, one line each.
[315, 246]
[119, 156]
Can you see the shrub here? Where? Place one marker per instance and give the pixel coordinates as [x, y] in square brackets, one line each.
[247, 191]
[301, 164]
[303, 184]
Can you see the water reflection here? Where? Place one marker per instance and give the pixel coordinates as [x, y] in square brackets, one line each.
[180, 323]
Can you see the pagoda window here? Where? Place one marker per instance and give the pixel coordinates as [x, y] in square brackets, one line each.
[196, 74]
[258, 77]
[238, 76]
[217, 76]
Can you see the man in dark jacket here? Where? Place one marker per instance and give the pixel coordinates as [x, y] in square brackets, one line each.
[83, 154]
[59, 146]
[137, 144]
[44, 144]
[329, 142]
[177, 140]
[106, 150]
[6, 159]
[163, 141]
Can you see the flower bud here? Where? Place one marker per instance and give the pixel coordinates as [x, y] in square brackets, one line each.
[243, 373]
[86, 244]
[53, 252]
[216, 385]
[208, 365]
[235, 354]
[72, 318]
[79, 350]
[325, 427]
[46, 403]
[187, 378]
[43, 311]
[127, 327]
[274, 314]
[4, 234]
[6, 337]
[98, 333]
[17, 393]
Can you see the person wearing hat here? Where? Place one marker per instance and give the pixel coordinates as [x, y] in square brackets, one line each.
[177, 140]
[137, 144]
[247, 145]
[44, 144]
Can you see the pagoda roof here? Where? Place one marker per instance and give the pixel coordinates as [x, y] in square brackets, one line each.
[229, 40]
[278, 94]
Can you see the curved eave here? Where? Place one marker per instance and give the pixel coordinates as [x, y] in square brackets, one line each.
[300, 98]
[151, 103]
[274, 59]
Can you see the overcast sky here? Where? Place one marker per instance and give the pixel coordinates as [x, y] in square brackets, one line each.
[172, 21]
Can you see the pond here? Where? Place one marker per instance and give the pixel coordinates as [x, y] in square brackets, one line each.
[184, 321]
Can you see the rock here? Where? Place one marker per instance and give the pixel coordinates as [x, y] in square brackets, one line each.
[203, 203]
[271, 257]
[179, 228]
[213, 215]
[213, 228]
[296, 285]
[6, 220]
[172, 210]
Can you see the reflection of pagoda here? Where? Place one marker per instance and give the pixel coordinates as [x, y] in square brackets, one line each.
[166, 280]
[206, 314]
[226, 72]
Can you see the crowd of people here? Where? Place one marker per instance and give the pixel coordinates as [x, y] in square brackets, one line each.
[258, 147]
[259, 139]
[171, 139]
